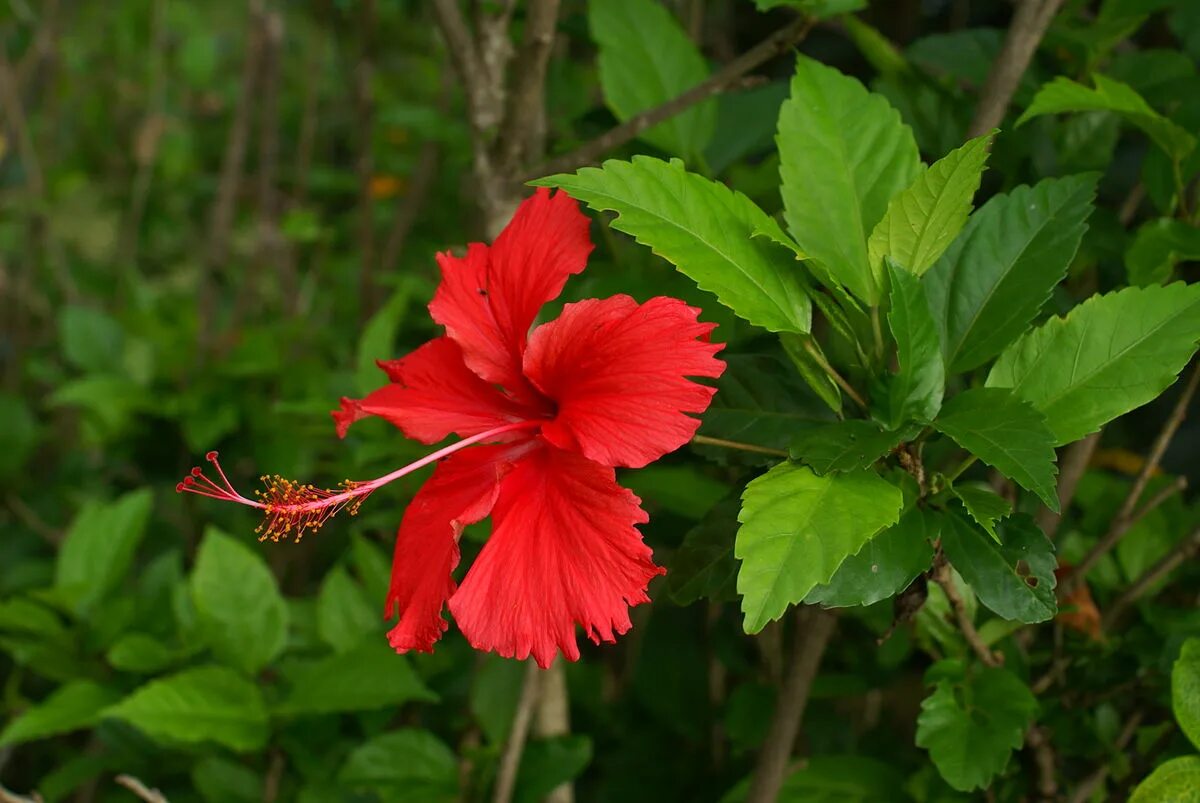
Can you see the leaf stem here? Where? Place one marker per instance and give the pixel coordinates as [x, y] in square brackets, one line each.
[957, 471]
[744, 447]
[820, 360]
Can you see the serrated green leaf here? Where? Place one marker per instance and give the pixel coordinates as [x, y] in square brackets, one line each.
[973, 721]
[406, 766]
[1007, 434]
[915, 390]
[344, 617]
[1174, 781]
[238, 604]
[704, 566]
[704, 229]
[843, 445]
[1064, 95]
[1157, 247]
[998, 274]
[983, 505]
[1185, 690]
[810, 370]
[798, 528]
[99, 546]
[924, 219]
[72, 706]
[885, 566]
[646, 59]
[368, 677]
[1015, 577]
[209, 703]
[844, 153]
[1111, 354]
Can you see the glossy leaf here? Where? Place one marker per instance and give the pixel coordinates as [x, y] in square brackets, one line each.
[843, 445]
[844, 153]
[924, 219]
[70, 707]
[983, 505]
[406, 765]
[1185, 690]
[704, 229]
[344, 617]
[99, 547]
[1111, 354]
[885, 566]
[1007, 434]
[1015, 577]
[798, 528]
[915, 390]
[368, 677]
[993, 279]
[1174, 781]
[1157, 247]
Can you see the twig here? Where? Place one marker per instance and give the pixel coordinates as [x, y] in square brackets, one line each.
[1044, 758]
[274, 776]
[744, 447]
[1092, 782]
[140, 789]
[1029, 25]
[943, 578]
[10, 101]
[753, 58]
[846, 387]
[30, 518]
[554, 719]
[525, 110]
[1167, 564]
[1071, 470]
[814, 628]
[463, 55]
[364, 112]
[12, 797]
[510, 762]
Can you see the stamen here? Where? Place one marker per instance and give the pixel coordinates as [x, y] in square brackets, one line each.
[292, 509]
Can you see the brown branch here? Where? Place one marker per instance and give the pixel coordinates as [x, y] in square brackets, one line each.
[510, 761]
[943, 578]
[1072, 466]
[1092, 782]
[140, 789]
[1029, 25]
[814, 628]
[464, 56]
[704, 440]
[554, 719]
[524, 112]
[764, 51]
[1182, 551]
[7, 796]
[30, 518]
[274, 777]
[1047, 765]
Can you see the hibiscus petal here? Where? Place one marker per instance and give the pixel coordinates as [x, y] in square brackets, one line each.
[618, 372]
[487, 300]
[461, 491]
[433, 394]
[563, 551]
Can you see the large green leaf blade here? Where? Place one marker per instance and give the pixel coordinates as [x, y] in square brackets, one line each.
[406, 766]
[915, 390]
[1014, 578]
[72, 706]
[703, 228]
[798, 528]
[99, 546]
[843, 445]
[209, 703]
[885, 566]
[646, 59]
[238, 604]
[844, 153]
[993, 279]
[1111, 354]
[368, 677]
[924, 219]
[1007, 434]
[704, 566]
[344, 617]
[1174, 781]
[1185, 690]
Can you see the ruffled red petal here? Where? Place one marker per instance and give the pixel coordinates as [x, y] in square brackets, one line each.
[564, 551]
[461, 491]
[487, 300]
[432, 395]
[618, 372]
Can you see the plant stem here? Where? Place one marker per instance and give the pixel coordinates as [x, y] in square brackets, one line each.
[957, 471]
[744, 447]
[510, 762]
[820, 360]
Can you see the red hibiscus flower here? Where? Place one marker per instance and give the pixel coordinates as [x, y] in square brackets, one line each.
[554, 411]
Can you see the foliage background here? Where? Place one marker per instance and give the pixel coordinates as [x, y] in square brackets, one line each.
[215, 221]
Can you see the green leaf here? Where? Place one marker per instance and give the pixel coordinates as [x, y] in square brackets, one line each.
[372, 566]
[1185, 690]
[993, 279]
[344, 617]
[983, 504]
[18, 433]
[915, 390]
[798, 528]
[684, 490]
[704, 566]
[1157, 247]
[810, 370]
[73, 706]
[704, 229]
[238, 604]
[646, 59]
[1109, 355]
[495, 692]
[220, 780]
[1064, 95]
[1006, 433]
[843, 154]
[820, 9]
[98, 548]
[137, 652]
[885, 566]
[368, 677]
[973, 721]
[1015, 577]
[924, 219]
[1174, 781]
[835, 779]
[548, 763]
[406, 766]
[378, 338]
[91, 340]
[843, 445]
[209, 703]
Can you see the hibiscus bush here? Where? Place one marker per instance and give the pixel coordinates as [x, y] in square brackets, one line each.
[731, 401]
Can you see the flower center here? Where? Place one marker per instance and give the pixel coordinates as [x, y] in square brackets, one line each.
[291, 508]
